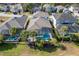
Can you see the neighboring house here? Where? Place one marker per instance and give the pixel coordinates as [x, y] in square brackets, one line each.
[35, 9]
[66, 10]
[66, 19]
[68, 29]
[40, 14]
[16, 8]
[49, 8]
[60, 8]
[74, 8]
[17, 22]
[4, 8]
[63, 18]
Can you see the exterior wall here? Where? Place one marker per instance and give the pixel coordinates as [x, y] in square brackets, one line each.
[52, 18]
[5, 32]
[65, 21]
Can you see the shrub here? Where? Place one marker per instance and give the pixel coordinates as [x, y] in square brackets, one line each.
[75, 37]
[1, 37]
[60, 11]
[67, 38]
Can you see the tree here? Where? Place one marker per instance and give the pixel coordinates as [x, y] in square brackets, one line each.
[54, 31]
[60, 11]
[24, 35]
[64, 30]
[1, 38]
[26, 25]
[33, 34]
[28, 7]
[13, 31]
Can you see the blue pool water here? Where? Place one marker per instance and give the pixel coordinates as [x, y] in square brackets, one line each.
[45, 36]
[12, 38]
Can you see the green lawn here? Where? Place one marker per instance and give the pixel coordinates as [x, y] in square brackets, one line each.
[19, 49]
[11, 49]
[22, 49]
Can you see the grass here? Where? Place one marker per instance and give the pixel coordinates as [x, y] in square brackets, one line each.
[11, 49]
[19, 49]
[22, 49]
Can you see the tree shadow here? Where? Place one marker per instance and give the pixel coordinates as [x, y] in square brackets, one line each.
[46, 47]
[76, 43]
[7, 46]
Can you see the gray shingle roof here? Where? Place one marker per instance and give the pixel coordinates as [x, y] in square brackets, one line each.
[40, 14]
[64, 16]
[18, 22]
[38, 23]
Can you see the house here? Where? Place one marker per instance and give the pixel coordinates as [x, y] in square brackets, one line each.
[65, 19]
[49, 8]
[66, 10]
[42, 27]
[74, 8]
[39, 24]
[17, 8]
[17, 22]
[4, 8]
[60, 8]
[35, 9]
[40, 14]
[68, 29]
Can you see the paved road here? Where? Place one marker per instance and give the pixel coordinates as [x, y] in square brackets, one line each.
[9, 15]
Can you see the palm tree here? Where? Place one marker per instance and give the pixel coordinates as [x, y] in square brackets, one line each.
[24, 35]
[13, 31]
[28, 7]
[56, 34]
[1, 38]
[33, 34]
[64, 30]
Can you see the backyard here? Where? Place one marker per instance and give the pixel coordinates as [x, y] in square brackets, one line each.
[44, 46]
[23, 50]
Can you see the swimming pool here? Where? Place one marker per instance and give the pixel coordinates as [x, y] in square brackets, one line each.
[45, 36]
[11, 38]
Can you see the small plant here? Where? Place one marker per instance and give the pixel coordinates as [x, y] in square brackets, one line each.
[1, 38]
[60, 11]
